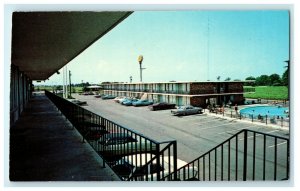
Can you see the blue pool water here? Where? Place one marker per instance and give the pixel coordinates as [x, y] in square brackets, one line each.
[266, 110]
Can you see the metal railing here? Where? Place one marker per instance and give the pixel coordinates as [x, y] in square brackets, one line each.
[150, 170]
[275, 120]
[247, 155]
[123, 149]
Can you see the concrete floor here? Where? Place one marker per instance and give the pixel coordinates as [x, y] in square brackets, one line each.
[45, 147]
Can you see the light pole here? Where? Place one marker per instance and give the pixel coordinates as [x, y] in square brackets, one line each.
[140, 60]
[130, 78]
[70, 83]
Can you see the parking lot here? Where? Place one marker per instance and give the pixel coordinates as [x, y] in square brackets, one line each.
[195, 134]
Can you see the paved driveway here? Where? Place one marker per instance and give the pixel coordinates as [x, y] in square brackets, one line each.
[195, 134]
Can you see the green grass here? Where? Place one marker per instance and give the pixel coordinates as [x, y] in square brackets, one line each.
[50, 88]
[269, 92]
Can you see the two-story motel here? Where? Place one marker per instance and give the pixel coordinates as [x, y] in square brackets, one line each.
[182, 93]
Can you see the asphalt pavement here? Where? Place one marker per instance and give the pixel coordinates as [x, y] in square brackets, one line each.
[195, 134]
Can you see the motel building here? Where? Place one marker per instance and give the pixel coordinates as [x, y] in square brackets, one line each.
[183, 93]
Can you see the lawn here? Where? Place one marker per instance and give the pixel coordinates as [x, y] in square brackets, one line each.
[50, 88]
[268, 92]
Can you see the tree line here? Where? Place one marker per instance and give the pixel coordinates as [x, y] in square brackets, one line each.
[271, 80]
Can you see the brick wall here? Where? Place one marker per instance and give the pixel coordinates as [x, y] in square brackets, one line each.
[202, 88]
[235, 87]
[198, 101]
[211, 87]
[238, 99]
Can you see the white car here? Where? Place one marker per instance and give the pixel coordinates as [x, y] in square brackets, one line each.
[118, 99]
[140, 167]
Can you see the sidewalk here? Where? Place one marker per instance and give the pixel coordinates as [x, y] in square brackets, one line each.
[45, 147]
[227, 115]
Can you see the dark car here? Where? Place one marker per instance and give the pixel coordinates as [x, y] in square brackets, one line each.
[161, 106]
[79, 102]
[93, 131]
[115, 145]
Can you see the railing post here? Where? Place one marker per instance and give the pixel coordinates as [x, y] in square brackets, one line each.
[175, 158]
[245, 155]
[157, 153]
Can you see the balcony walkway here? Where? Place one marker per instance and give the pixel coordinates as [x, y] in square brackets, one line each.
[45, 147]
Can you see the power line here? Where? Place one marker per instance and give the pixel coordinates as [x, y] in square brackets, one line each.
[208, 30]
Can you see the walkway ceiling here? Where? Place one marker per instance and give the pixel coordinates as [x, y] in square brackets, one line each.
[43, 42]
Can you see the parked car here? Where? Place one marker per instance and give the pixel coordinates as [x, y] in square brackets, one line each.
[187, 110]
[142, 103]
[144, 166]
[161, 106]
[76, 101]
[93, 131]
[115, 145]
[123, 99]
[109, 97]
[88, 93]
[129, 101]
[119, 98]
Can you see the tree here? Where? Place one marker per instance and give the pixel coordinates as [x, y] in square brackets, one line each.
[59, 87]
[250, 78]
[73, 90]
[227, 79]
[262, 80]
[274, 80]
[250, 83]
[218, 78]
[285, 78]
[285, 75]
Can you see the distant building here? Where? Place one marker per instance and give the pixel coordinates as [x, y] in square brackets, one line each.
[93, 88]
[182, 93]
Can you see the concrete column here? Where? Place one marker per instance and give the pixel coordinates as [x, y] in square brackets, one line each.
[19, 93]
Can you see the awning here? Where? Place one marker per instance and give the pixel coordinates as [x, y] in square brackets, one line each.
[43, 42]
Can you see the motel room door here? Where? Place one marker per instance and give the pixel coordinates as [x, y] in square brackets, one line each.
[179, 101]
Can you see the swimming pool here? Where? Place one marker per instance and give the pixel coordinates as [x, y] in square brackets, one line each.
[266, 110]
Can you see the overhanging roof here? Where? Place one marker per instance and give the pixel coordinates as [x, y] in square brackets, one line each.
[43, 42]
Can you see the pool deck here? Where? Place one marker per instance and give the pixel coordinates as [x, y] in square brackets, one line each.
[230, 111]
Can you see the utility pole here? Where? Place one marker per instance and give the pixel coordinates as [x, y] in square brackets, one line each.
[66, 83]
[140, 60]
[208, 30]
[64, 95]
[70, 83]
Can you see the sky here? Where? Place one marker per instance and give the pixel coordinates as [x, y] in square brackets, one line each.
[186, 46]
[274, 23]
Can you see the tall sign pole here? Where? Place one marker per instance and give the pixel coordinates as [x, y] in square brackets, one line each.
[140, 60]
